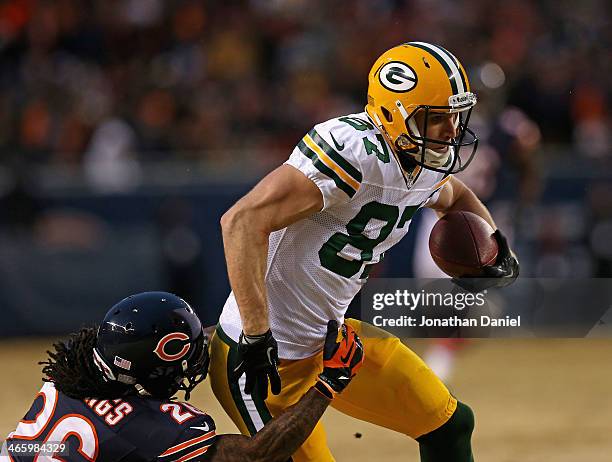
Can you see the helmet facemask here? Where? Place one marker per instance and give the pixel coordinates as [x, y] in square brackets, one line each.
[426, 151]
[195, 369]
[419, 78]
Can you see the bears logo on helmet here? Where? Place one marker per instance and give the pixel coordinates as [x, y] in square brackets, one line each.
[161, 338]
[161, 345]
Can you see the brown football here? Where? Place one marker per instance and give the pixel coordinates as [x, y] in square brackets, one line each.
[462, 243]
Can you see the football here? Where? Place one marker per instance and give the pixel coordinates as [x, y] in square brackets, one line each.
[462, 243]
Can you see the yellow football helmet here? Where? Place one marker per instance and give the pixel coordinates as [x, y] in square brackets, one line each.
[415, 77]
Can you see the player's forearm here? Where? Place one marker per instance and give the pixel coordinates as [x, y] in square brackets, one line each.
[278, 439]
[246, 253]
[456, 196]
[283, 197]
[468, 201]
[282, 436]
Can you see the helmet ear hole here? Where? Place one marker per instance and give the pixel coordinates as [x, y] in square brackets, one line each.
[386, 114]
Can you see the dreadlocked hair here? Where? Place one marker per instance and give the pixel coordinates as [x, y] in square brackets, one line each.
[72, 370]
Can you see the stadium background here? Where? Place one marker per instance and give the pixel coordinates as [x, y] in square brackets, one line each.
[127, 127]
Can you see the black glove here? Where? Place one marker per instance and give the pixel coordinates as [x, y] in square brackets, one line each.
[258, 359]
[503, 272]
[342, 357]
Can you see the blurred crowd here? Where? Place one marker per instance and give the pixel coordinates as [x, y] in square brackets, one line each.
[87, 80]
[108, 85]
[101, 92]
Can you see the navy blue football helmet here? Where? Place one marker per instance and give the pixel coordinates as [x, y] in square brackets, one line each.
[154, 343]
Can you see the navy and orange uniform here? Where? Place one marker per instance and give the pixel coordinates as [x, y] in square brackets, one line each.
[134, 429]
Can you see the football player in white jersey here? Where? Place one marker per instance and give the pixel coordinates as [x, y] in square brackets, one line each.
[301, 244]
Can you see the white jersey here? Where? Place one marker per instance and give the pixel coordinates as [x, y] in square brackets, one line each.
[317, 265]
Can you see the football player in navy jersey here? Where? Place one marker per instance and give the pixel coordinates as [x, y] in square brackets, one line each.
[108, 393]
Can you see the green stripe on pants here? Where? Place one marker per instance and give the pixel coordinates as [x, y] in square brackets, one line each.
[260, 405]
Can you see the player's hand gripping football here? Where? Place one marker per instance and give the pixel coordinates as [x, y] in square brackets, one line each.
[502, 273]
[258, 359]
[342, 357]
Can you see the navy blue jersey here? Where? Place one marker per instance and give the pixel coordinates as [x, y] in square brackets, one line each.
[130, 429]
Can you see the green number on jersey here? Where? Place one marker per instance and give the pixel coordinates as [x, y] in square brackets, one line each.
[328, 255]
[370, 148]
[357, 123]
[407, 215]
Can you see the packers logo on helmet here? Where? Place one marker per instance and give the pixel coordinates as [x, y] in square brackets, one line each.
[409, 85]
[397, 76]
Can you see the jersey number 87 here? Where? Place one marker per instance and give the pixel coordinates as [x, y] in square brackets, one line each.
[389, 214]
